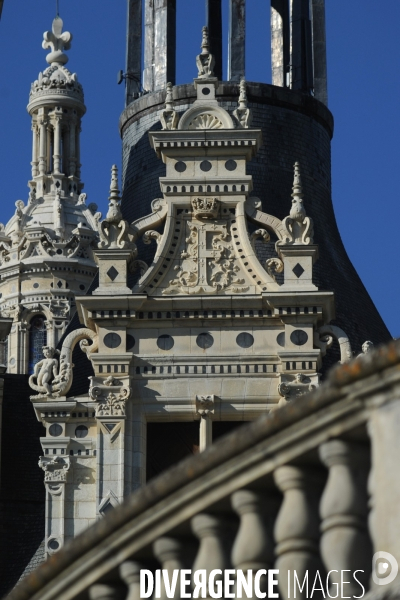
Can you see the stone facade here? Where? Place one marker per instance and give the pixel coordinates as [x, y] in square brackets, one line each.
[223, 288]
[46, 257]
[212, 330]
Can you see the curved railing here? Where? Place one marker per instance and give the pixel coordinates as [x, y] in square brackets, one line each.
[288, 491]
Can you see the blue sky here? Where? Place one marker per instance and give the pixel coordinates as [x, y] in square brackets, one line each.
[364, 96]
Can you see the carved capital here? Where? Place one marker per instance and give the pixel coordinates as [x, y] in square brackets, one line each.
[55, 469]
[205, 405]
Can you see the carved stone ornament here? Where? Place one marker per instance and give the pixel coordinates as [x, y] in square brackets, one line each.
[299, 227]
[53, 380]
[206, 120]
[114, 231]
[274, 266]
[208, 264]
[205, 61]
[55, 469]
[242, 113]
[111, 396]
[205, 208]
[169, 117]
[366, 348]
[299, 386]
[204, 405]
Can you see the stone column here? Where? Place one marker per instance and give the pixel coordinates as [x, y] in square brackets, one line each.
[56, 472]
[214, 24]
[72, 148]
[135, 448]
[280, 42]
[78, 150]
[133, 51]
[205, 410]
[49, 131]
[57, 146]
[42, 145]
[319, 51]
[301, 45]
[34, 162]
[384, 518]
[237, 40]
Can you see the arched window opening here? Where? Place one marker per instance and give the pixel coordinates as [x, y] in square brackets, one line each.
[37, 339]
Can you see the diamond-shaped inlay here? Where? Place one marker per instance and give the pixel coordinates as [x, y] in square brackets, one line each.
[298, 270]
[112, 273]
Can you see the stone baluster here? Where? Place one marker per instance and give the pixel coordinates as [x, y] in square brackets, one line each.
[297, 530]
[102, 591]
[345, 543]
[170, 553]
[253, 547]
[130, 575]
[214, 551]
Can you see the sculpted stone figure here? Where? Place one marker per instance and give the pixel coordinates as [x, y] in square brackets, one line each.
[45, 371]
[366, 348]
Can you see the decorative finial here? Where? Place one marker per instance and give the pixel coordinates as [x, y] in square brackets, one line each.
[243, 94]
[114, 214]
[205, 61]
[169, 101]
[299, 227]
[57, 42]
[169, 117]
[242, 113]
[297, 186]
[205, 42]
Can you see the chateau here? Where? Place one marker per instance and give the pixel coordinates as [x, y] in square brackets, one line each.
[216, 291]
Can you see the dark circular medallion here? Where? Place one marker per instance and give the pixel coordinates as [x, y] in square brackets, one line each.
[298, 337]
[165, 342]
[230, 165]
[205, 165]
[130, 342]
[180, 166]
[53, 544]
[205, 91]
[81, 431]
[55, 430]
[281, 339]
[245, 340]
[112, 340]
[204, 340]
[35, 285]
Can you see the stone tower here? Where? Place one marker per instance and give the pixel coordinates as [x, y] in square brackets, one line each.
[46, 255]
[292, 114]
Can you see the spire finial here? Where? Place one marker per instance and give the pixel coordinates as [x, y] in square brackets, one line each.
[243, 94]
[205, 61]
[297, 186]
[114, 214]
[169, 100]
[242, 113]
[205, 42]
[57, 41]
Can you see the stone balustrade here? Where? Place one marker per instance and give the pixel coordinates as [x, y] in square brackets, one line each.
[288, 492]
